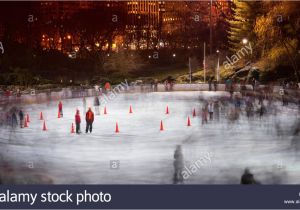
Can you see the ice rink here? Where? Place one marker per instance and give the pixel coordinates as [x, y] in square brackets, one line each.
[143, 152]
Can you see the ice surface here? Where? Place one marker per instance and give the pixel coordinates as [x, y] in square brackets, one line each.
[145, 153]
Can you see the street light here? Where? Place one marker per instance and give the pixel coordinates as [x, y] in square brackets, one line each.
[245, 41]
[218, 67]
[174, 55]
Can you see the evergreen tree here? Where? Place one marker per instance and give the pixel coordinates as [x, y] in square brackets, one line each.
[242, 24]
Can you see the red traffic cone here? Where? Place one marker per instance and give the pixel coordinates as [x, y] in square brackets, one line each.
[44, 126]
[117, 128]
[130, 110]
[161, 125]
[27, 118]
[25, 123]
[41, 116]
[105, 112]
[58, 115]
[167, 110]
[72, 128]
[194, 112]
[189, 121]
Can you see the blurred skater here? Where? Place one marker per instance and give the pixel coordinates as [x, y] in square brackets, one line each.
[14, 120]
[217, 110]
[178, 166]
[211, 110]
[21, 117]
[60, 108]
[77, 122]
[96, 105]
[89, 117]
[84, 104]
[216, 85]
[204, 115]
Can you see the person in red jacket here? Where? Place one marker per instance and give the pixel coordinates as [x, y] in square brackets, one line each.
[89, 117]
[60, 108]
[77, 122]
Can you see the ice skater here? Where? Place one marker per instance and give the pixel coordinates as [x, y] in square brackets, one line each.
[77, 122]
[14, 120]
[89, 118]
[60, 109]
[211, 110]
[96, 105]
[178, 166]
[84, 104]
[21, 117]
[217, 110]
[204, 112]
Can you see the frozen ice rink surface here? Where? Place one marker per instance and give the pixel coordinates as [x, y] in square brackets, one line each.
[144, 153]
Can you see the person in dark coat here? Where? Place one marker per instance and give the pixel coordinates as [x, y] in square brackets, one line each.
[77, 122]
[178, 166]
[89, 117]
[248, 178]
[210, 84]
[21, 117]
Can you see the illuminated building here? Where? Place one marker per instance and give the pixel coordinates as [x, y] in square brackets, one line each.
[143, 23]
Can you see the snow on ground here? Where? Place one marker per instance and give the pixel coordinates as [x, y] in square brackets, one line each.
[145, 153]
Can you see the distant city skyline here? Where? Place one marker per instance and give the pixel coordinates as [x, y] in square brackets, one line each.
[112, 25]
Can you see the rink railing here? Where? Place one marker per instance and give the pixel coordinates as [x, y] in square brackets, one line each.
[65, 93]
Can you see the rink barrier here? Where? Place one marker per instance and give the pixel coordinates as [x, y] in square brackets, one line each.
[67, 93]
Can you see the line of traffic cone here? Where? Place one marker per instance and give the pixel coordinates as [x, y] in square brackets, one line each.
[167, 110]
[44, 126]
[161, 126]
[194, 112]
[188, 121]
[130, 110]
[72, 128]
[41, 116]
[117, 128]
[105, 112]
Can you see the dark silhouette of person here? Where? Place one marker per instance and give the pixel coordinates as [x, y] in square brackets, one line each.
[178, 165]
[248, 178]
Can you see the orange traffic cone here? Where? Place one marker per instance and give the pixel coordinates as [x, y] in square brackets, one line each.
[27, 118]
[25, 123]
[189, 121]
[194, 113]
[105, 112]
[58, 115]
[117, 128]
[161, 125]
[130, 110]
[41, 116]
[72, 128]
[167, 110]
[44, 126]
